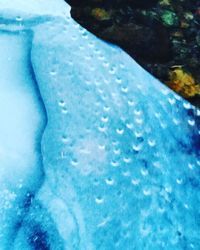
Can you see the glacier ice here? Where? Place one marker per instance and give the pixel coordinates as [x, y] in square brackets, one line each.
[95, 153]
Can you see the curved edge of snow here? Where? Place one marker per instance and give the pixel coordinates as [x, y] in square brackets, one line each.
[22, 8]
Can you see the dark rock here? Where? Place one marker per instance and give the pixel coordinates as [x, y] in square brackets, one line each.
[143, 43]
[140, 3]
[160, 34]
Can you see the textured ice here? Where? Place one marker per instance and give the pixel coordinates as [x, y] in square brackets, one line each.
[95, 153]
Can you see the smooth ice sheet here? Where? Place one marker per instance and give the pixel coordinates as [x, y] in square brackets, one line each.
[22, 120]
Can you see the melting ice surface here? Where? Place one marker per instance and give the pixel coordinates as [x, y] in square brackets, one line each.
[95, 153]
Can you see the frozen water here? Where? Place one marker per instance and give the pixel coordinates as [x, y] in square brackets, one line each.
[117, 166]
[22, 120]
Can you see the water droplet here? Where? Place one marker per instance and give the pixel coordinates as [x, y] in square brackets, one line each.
[109, 181]
[118, 80]
[117, 151]
[131, 103]
[151, 142]
[102, 147]
[106, 64]
[137, 147]
[74, 162]
[99, 200]
[137, 112]
[53, 72]
[176, 121]
[172, 101]
[191, 166]
[139, 121]
[179, 181]
[120, 131]
[168, 188]
[65, 139]
[106, 108]
[157, 164]
[124, 89]
[64, 110]
[104, 118]
[129, 125]
[147, 192]
[138, 134]
[114, 163]
[85, 35]
[191, 122]
[61, 103]
[135, 182]
[102, 128]
[19, 19]
[186, 105]
[144, 172]
[127, 159]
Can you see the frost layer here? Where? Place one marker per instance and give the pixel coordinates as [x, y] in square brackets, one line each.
[119, 166]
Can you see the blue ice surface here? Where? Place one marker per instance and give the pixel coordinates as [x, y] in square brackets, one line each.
[95, 153]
